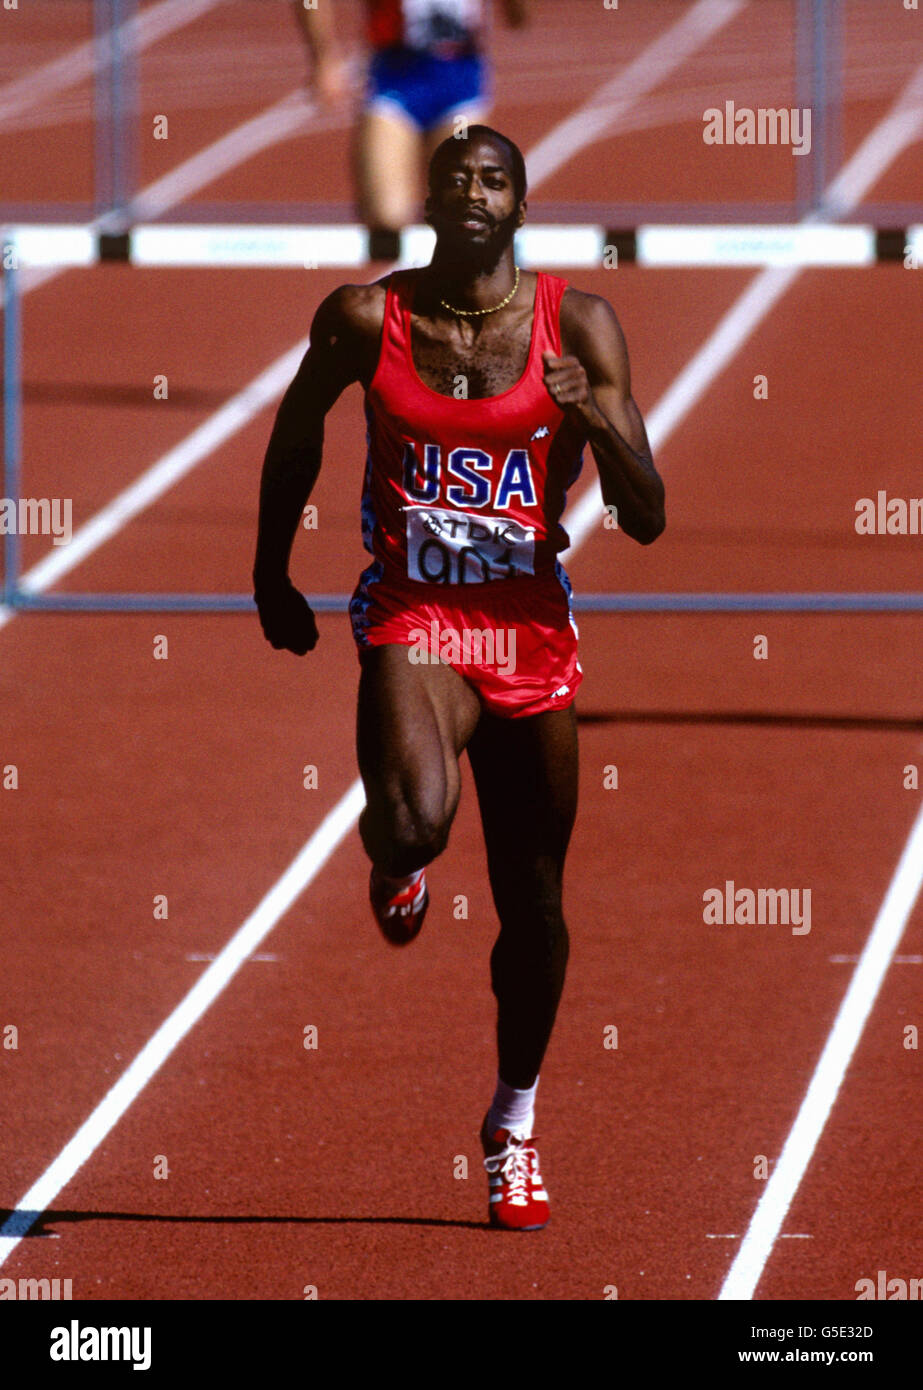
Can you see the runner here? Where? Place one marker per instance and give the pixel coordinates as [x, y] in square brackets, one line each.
[482, 385]
[428, 68]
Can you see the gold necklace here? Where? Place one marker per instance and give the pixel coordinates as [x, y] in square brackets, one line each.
[474, 313]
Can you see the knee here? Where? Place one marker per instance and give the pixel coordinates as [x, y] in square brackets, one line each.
[415, 831]
[402, 834]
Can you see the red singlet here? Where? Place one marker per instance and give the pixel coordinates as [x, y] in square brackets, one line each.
[461, 509]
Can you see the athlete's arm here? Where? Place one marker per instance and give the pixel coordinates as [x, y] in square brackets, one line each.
[330, 79]
[593, 384]
[339, 342]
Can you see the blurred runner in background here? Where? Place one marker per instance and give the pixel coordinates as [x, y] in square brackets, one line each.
[427, 69]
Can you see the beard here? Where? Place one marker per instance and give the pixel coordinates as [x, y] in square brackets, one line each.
[469, 256]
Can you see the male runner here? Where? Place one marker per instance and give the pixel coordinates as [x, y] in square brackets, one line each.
[428, 67]
[462, 496]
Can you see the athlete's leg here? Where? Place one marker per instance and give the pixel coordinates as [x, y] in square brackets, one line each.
[413, 721]
[526, 776]
[388, 150]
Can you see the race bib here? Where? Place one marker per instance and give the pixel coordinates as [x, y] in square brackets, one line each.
[457, 548]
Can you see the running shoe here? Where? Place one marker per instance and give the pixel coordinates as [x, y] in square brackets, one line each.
[518, 1200]
[399, 916]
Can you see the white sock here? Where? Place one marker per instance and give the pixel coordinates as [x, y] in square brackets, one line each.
[513, 1110]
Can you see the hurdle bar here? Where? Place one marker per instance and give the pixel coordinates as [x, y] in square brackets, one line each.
[346, 246]
[581, 603]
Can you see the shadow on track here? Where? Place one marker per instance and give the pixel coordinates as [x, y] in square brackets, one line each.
[874, 723]
[38, 1223]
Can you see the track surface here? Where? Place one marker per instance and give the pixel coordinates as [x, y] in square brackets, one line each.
[337, 1167]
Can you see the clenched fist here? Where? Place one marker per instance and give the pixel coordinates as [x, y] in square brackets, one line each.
[286, 617]
[565, 380]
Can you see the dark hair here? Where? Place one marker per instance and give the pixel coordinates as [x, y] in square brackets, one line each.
[486, 132]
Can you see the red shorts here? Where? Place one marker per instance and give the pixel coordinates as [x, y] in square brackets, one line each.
[513, 640]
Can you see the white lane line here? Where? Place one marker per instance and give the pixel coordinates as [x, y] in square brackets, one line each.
[656, 62]
[902, 125]
[245, 941]
[83, 60]
[746, 1271]
[175, 464]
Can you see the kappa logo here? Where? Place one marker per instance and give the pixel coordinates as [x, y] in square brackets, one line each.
[541, 433]
[560, 692]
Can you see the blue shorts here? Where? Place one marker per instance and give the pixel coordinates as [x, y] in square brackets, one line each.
[427, 89]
